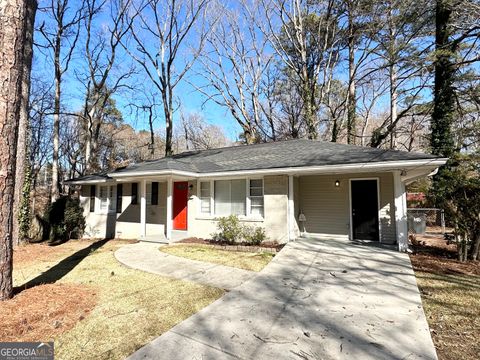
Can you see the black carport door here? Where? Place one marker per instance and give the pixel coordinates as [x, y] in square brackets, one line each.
[364, 210]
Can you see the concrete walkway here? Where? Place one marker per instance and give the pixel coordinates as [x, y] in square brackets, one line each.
[315, 300]
[147, 257]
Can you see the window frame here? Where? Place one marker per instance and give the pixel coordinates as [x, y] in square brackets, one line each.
[248, 214]
[210, 197]
[250, 196]
[110, 199]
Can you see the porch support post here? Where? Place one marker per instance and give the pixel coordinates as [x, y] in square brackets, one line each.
[291, 210]
[168, 225]
[143, 209]
[400, 211]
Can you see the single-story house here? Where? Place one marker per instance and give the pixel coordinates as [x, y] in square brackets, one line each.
[291, 188]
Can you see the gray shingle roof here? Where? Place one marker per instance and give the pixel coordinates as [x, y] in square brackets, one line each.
[281, 154]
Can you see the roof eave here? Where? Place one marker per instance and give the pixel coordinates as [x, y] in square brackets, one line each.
[326, 169]
[87, 182]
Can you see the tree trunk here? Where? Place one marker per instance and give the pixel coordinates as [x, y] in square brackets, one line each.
[23, 121]
[12, 38]
[351, 105]
[167, 107]
[54, 192]
[444, 100]
[476, 246]
[309, 111]
[393, 104]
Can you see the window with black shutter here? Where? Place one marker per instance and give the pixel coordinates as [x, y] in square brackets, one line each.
[154, 193]
[134, 194]
[119, 198]
[92, 197]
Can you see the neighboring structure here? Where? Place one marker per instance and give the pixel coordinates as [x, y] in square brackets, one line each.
[292, 188]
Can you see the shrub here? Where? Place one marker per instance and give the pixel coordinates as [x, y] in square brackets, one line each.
[254, 235]
[65, 218]
[232, 231]
[229, 230]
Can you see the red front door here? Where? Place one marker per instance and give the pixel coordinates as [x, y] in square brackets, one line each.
[180, 198]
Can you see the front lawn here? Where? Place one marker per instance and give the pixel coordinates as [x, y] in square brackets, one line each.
[91, 305]
[252, 261]
[450, 296]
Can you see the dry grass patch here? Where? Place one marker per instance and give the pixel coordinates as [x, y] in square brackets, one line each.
[452, 307]
[450, 296]
[26, 255]
[244, 260]
[133, 307]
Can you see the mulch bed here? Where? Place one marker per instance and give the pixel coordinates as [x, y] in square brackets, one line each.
[435, 255]
[270, 246]
[43, 312]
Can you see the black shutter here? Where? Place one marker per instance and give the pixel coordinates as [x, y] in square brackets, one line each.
[134, 194]
[92, 197]
[119, 198]
[154, 193]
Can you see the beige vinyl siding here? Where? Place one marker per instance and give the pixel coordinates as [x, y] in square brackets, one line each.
[327, 208]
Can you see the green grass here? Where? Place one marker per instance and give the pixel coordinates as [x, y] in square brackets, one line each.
[244, 260]
[452, 307]
[133, 307]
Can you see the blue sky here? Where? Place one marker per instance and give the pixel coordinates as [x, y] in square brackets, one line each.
[73, 90]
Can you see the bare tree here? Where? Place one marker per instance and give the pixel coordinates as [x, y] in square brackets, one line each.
[14, 22]
[61, 35]
[199, 135]
[401, 31]
[235, 64]
[40, 129]
[162, 32]
[104, 77]
[305, 37]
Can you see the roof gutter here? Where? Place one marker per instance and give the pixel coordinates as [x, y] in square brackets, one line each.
[86, 182]
[344, 168]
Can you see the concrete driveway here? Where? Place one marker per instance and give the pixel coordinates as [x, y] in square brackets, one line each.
[316, 300]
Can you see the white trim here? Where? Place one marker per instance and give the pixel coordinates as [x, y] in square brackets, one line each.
[111, 200]
[248, 214]
[291, 209]
[143, 209]
[377, 179]
[344, 168]
[401, 225]
[249, 200]
[169, 221]
[89, 182]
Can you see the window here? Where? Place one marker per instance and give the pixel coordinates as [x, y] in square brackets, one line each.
[154, 193]
[134, 194]
[148, 194]
[230, 197]
[111, 199]
[119, 198]
[103, 199]
[92, 197]
[256, 197]
[205, 201]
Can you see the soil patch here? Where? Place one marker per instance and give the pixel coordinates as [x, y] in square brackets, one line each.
[243, 245]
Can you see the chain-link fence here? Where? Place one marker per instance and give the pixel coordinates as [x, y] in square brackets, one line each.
[428, 221]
